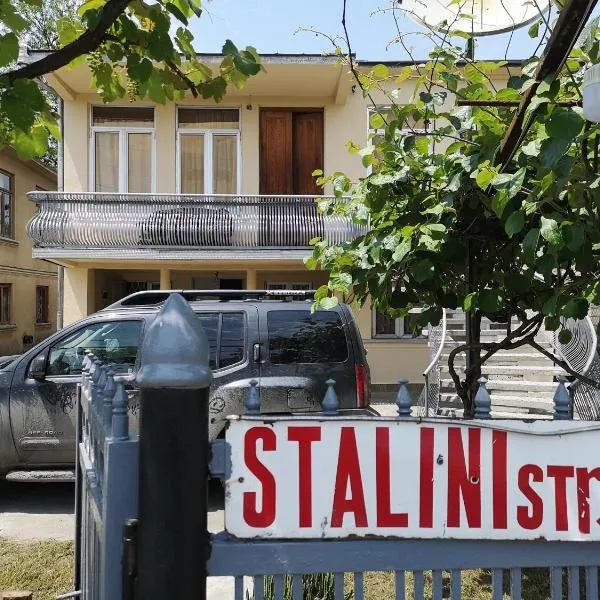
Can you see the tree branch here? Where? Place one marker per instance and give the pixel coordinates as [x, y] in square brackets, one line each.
[88, 41]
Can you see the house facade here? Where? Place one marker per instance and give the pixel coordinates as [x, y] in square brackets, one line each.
[202, 195]
[27, 285]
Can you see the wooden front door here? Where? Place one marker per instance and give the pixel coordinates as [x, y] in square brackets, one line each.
[291, 148]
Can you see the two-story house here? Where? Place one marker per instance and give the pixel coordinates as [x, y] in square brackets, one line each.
[27, 285]
[200, 195]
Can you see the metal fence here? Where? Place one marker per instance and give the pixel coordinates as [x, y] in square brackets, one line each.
[107, 464]
[281, 569]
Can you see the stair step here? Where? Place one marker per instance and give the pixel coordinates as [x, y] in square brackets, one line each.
[40, 476]
[512, 369]
[518, 402]
[509, 384]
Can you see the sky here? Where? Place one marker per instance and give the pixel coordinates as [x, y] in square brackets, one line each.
[272, 26]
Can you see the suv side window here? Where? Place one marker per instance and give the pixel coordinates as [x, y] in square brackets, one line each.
[226, 338]
[114, 342]
[297, 336]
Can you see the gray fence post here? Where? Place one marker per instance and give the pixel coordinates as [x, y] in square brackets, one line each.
[252, 399]
[174, 379]
[562, 401]
[483, 401]
[330, 402]
[403, 399]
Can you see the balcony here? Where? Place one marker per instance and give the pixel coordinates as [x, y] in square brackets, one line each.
[103, 226]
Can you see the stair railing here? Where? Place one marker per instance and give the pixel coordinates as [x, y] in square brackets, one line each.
[581, 354]
[429, 398]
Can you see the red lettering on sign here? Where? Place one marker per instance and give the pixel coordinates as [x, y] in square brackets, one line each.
[426, 478]
[534, 519]
[266, 515]
[348, 472]
[305, 436]
[560, 473]
[583, 493]
[500, 491]
[385, 516]
[463, 481]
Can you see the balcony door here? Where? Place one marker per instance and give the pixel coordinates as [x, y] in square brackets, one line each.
[291, 148]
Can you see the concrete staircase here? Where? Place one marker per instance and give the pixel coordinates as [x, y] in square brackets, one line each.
[521, 382]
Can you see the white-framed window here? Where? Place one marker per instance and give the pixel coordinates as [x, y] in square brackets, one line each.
[123, 149]
[386, 327]
[208, 150]
[284, 285]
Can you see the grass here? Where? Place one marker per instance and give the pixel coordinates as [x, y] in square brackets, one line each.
[43, 568]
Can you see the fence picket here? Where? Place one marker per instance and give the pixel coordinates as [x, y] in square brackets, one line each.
[591, 583]
[358, 585]
[239, 587]
[278, 587]
[515, 584]
[438, 586]
[573, 583]
[556, 583]
[400, 577]
[419, 585]
[339, 587]
[455, 584]
[297, 587]
[497, 584]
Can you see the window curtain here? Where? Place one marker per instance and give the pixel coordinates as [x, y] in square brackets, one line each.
[191, 148]
[139, 163]
[107, 162]
[225, 164]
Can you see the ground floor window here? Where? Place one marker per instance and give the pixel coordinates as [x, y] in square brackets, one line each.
[5, 303]
[385, 326]
[282, 285]
[42, 300]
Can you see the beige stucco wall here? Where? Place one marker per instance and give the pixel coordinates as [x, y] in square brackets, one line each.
[17, 267]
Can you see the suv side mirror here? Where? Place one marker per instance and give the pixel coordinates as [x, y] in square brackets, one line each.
[37, 367]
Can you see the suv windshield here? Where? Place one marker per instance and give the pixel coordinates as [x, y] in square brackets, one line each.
[297, 336]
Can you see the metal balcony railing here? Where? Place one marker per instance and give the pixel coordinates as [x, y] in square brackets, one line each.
[174, 221]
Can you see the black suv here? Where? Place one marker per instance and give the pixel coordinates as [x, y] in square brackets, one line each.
[270, 336]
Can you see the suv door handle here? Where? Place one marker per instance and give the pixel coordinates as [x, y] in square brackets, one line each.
[256, 352]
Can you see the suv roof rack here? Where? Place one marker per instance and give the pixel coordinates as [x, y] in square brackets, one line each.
[155, 297]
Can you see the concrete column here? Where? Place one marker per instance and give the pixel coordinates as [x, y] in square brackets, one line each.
[78, 294]
[165, 279]
[251, 279]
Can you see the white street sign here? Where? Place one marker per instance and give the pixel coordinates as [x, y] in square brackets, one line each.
[339, 477]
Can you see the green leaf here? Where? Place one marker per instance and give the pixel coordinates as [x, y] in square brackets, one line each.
[340, 281]
[545, 265]
[380, 72]
[329, 302]
[511, 182]
[401, 250]
[534, 29]
[246, 63]
[11, 18]
[490, 301]
[31, 145]
[9, 48]
[469, 301]
[553, 149]
[530, 243]
[574, 237]
[564, 124]
[515, 223]
[517, 283]
[565, 336]
[550, 231]
[576, 308]
[422, 270]
[422, 144]
[21, 101]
